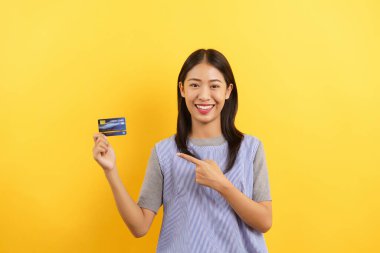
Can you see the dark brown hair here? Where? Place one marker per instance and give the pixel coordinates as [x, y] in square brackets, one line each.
[232, 135]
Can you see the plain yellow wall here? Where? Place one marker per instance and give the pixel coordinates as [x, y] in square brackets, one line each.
[307, 74]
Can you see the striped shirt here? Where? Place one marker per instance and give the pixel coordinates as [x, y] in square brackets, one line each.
[151, 191]
[197, 218]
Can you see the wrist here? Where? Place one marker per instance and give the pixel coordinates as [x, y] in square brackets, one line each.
[111, 173]
[224, 186]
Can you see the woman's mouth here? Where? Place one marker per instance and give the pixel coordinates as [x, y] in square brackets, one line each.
[204, 109]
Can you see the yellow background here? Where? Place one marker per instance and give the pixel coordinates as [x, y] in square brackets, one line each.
[307, 74]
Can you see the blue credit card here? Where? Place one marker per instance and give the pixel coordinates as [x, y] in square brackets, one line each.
[112, 126]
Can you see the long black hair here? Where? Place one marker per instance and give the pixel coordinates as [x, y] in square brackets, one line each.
[232, 135]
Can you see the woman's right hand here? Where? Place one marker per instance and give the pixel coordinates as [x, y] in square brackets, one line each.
[103, 152]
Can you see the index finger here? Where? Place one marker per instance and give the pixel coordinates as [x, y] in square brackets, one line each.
[190, 158]
[97, 135]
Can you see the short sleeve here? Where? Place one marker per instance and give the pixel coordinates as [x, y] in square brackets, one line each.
[151, 191]
[261, 189]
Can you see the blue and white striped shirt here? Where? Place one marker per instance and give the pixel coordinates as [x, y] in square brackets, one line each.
[197, 218]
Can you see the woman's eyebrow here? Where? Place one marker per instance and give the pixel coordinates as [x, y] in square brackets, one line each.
[196, 79]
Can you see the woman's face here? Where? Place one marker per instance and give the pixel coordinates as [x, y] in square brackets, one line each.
[205, 92]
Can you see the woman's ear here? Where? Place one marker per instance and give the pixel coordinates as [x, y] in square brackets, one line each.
[181, 88]
[229, 89]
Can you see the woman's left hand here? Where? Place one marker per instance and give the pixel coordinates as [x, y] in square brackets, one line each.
[207, 172]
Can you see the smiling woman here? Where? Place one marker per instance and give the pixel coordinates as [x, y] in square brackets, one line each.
[208, 92]
[211, 179]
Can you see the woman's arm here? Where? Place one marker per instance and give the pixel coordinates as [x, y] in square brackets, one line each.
[257, 215]
[136, 218]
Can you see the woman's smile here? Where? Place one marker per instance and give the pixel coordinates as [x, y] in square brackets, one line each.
[203, 108]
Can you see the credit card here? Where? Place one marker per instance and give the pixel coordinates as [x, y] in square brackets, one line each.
[112, 126]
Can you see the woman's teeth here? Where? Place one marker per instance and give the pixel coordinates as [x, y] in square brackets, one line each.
[204, 107]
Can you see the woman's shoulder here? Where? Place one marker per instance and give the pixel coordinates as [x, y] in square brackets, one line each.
[166, 140]
[165, 148]
[251, 144]
[251, 138]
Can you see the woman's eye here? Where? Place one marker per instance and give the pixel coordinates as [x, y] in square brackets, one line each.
[215, 86]
[193, 84]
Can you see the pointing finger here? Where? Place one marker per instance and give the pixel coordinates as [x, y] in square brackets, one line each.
[190, 158]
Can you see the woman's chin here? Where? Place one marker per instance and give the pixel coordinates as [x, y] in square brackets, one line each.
[204, 119]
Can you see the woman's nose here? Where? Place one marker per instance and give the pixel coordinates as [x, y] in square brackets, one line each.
[204, 93]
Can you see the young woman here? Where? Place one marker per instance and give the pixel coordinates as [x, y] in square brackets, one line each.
[211, 179]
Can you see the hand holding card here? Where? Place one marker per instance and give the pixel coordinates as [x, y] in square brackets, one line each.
[103, 152]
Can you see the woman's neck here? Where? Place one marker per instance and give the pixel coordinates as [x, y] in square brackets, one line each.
[206, 131]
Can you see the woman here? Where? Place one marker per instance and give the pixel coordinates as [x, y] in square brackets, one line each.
[211, 179]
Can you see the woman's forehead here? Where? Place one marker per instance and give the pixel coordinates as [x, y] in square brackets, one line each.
[204, 72]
